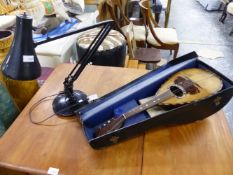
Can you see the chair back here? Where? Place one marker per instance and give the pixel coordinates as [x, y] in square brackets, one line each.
[104, 11]
[149, 21]
[113, 9]
[117, 12]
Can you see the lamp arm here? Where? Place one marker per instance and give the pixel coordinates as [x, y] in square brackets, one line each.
[92, 49]
[48, 39]
[69, 100]
[83, 61]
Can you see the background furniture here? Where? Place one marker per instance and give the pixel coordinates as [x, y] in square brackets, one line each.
[228, 9]
[113, 7]
[6, 7]
[204, 147]
[166, 4]
[210, 4]
[111, 52]
[64, 50]
[56, 52]
[160, 38]
[224, 12]
[133, 10]
[6, 38]
[223, 2]
[7, 21]
[143, 55]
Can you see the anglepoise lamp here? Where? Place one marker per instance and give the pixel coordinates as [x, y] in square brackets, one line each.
[22, 63]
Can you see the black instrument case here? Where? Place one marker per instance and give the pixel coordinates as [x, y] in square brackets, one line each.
[127, 97]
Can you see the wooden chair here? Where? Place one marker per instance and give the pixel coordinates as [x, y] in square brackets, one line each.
[142, 55]
[228, 9]
[225, 10]
[223, 3]
[160, 38]
[116, 12]
[132, 10]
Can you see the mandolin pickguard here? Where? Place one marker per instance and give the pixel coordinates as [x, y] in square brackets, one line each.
[207, 82]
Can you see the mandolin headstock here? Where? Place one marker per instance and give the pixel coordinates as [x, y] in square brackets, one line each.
[110, 125]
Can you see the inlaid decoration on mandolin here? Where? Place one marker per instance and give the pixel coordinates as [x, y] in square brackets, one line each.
[189, 86]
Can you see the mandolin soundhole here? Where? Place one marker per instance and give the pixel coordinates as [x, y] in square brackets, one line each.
[176, 90]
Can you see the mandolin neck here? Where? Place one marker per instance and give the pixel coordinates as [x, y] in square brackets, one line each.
[154, 101]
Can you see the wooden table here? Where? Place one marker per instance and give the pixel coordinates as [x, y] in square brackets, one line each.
[200, 148]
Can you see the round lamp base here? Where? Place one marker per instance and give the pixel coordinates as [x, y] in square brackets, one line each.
[65, 106]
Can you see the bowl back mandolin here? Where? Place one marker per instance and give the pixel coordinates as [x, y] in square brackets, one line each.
[183, 87]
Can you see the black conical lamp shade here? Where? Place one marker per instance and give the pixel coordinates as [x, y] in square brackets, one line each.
[21, 63]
